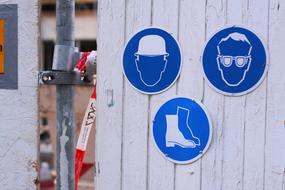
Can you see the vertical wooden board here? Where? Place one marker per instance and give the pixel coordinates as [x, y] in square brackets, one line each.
[135, 134]
[191, 38]
[233, 143]
[18, 115]
[160, 170]
[236, 12]
[234, 117]
[254, 140]
[253, 177]
[212, 161]
[275, 131]
[110, 87]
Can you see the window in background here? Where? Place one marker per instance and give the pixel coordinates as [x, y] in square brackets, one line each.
[47, 48]
[80, 6]
[87, 45]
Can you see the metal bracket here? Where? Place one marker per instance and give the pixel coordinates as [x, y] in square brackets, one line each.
[63, 78]
[64, 57]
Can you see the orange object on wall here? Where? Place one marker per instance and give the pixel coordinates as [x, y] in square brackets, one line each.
[2, 29]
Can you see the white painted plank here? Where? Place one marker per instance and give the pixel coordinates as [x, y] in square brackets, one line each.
[234, 117]
[233, 142]
[161, 171]
[18, 115]
[135, 135]
[212, 162]
[254, 139]
[191, 37]
[275, 128]
[110, 78]
[257, 20]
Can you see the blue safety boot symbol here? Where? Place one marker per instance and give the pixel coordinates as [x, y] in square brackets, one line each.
[182, 130]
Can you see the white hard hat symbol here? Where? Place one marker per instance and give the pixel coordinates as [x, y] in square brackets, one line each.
[151, 45]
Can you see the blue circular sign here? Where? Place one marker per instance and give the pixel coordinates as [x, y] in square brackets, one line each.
[152, 61]
[234, 61]
[182, 130]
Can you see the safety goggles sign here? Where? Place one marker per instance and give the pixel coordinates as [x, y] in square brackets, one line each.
[234, 61]
[182, 130]
[152, 61]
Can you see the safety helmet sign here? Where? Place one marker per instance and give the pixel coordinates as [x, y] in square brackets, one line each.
[152, 61]
[234, 61]
[182, 130]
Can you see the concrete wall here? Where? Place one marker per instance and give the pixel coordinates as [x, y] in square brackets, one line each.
[248, 147]
[18, 115]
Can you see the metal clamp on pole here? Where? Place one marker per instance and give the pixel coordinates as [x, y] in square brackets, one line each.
[64, 78]
[63, 58]
[64, 67]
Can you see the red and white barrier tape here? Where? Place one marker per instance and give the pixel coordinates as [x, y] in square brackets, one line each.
[89, 117]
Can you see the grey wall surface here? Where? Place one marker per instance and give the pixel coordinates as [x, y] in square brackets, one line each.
[18, 108]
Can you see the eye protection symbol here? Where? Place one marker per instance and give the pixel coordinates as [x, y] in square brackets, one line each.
[240, 61]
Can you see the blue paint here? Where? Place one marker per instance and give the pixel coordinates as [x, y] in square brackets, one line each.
[186, 140]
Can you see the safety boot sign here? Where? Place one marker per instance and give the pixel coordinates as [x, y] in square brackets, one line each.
[182, 130]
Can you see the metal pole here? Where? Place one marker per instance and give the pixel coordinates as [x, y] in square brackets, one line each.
[63, 61]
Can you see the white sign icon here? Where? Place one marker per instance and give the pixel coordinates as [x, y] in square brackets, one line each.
[174, 136]
[151, 59]
[235, 65]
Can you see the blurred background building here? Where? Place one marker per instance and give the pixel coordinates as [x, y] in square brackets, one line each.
[85, 36]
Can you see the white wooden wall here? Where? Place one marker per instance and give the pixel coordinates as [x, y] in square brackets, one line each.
[248, 145]
[18, 108]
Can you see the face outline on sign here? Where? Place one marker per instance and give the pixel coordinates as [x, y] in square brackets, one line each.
[234, 63]
[152, 60]
[151, 56]
[234, 70]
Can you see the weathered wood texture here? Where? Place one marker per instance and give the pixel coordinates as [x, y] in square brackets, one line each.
[248, 145]
[18, 115]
